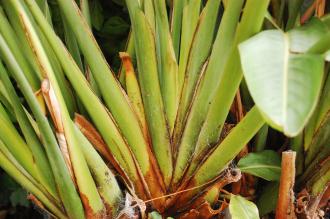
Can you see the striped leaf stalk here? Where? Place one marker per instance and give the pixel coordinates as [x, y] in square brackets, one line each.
[89, 143]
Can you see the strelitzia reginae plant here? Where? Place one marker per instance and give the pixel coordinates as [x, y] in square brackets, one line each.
[89, 143]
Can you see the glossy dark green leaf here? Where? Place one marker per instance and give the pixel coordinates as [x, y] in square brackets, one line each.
[265, 164]
[97, 16]
[115, 26]
[267, 201]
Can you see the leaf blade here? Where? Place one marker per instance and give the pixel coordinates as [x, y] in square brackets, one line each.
[288, 95]
[265, 164]
[240, 208]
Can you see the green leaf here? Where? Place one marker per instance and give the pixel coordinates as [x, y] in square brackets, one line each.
[199, 51]
[294, 7]
[240, 208]
[16, 145]
[319, 141]
[176, 21]
[318, 119]
[207, 86]
[97, 16]
[303, 37]
[154, 215]
[166, 63]
[250, 24]
[108, 187]
[151, 93]
[265, 164]
[8, 33]
[100, 116]
[268, 198]
[225, 152]
[284, 85]
[10, 165]
[84, 179]
[115, 26]
[190, 18]
[115, 98]
[19, 197]
[320, 180]
[261, 139]
[67, 191]
[39, 156]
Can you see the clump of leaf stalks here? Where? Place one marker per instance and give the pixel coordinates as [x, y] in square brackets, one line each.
[170, 134]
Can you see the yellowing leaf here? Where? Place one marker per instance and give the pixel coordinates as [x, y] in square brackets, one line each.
[240, 208]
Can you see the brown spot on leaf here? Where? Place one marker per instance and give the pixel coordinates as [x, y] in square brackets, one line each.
[92, 135]
[127, 62]
[35, 201]
[89, 213]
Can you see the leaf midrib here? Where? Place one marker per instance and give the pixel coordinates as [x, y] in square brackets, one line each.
[260, 166]
[285, 77]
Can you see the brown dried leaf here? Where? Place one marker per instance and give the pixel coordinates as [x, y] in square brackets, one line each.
[39, 204]
[52, 105]
[92, 135]
[310, 207]
[183, 201]
[97, 141]
[132, 209]
[54, 110]
[65, 152]
[204, 211]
